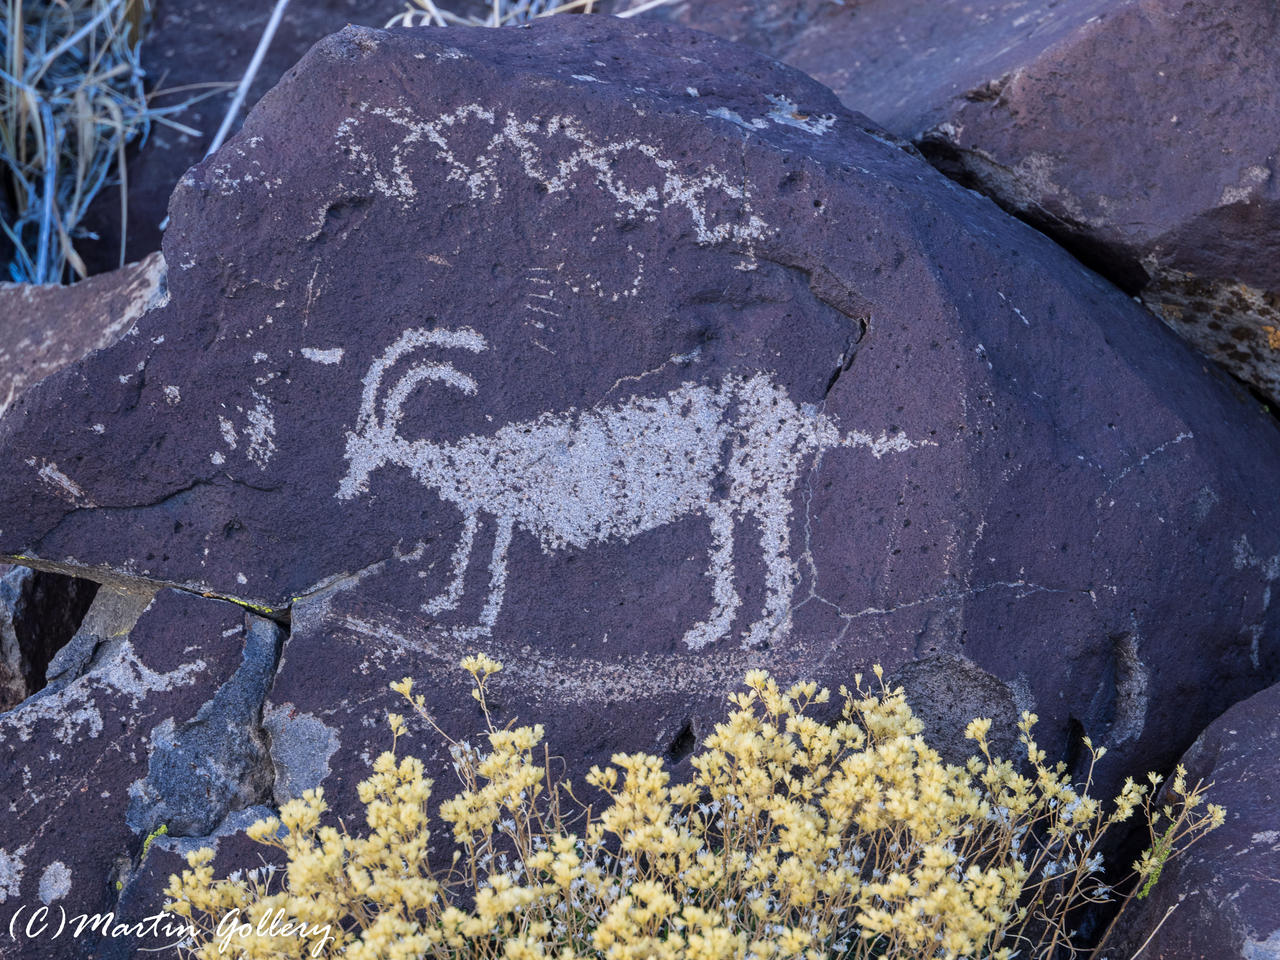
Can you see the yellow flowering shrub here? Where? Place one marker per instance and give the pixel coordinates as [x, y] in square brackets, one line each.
[794, 839]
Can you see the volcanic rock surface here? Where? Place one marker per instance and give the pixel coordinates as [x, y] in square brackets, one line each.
[634, 360]
[1224, 890]
[1141, 134]
[150, 718]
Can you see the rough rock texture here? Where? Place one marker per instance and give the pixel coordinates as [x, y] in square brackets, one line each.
[205, 42]
[45, 328]
[88, 766]
[39, 613]
[142, 894]
[1225, 887]
[1139, 133]
[634, 360]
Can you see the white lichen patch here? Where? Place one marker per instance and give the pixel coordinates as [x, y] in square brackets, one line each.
[258, 432]
[331, 356]
[576, 477]
[11, 868]
[172, 395]
[301, 747]
[228, 431]
[561, 155]
[1268, 949]
[1252, 178]
[55, 882]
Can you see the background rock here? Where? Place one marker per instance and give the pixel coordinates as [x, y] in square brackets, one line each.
[92, 751]
[747, 384]
[1138, 133]
[48, 327]
[1224, 889]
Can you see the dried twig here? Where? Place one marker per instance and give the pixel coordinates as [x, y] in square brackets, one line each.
[505, 13]
[246, 81]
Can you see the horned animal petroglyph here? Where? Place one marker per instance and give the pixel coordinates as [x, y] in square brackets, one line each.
[577, 477]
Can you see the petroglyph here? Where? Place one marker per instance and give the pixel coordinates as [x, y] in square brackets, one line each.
[560, 154]
[578, 477]
[259, 432]
[65, 486]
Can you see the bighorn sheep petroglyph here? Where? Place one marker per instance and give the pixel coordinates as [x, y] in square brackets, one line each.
[577, 477]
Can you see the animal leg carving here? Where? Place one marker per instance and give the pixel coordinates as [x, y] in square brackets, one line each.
[773, 515]
[452, 595]
[725, 600]
[497, 574]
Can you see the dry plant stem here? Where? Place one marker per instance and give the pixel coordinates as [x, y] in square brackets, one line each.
[50, 186]
[1147, 941]
[264, 42]
[643, 8]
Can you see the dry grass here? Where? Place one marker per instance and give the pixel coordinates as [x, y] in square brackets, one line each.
[506, 13]
[71, 99]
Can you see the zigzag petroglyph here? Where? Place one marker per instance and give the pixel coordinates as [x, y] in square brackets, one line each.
[559, 154]
[577, 477]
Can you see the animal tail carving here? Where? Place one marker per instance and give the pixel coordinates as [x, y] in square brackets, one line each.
[827, 435]
[882, 444]
[374, 440]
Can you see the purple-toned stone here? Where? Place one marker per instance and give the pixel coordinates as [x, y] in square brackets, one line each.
[635, 360]
[1220, 897]
[149, 720]
[1140, 134]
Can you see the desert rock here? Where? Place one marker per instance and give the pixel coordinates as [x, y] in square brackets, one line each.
[635, 360]
[1141, 135]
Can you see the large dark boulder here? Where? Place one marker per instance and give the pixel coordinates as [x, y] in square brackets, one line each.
[634, 360]
[1141, 134]
[1222, 894]
[150, 720]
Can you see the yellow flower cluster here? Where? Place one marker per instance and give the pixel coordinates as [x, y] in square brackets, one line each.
[794, 839]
